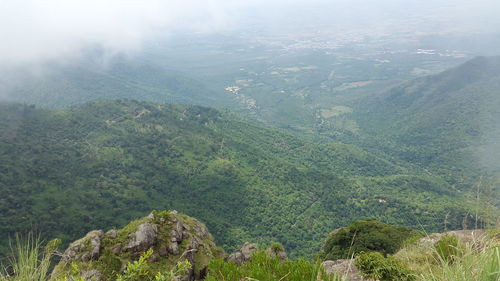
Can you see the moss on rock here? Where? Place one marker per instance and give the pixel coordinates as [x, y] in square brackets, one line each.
[173, 237]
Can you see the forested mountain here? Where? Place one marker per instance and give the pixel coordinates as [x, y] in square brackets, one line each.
[88, 79]
[64, 172]
[447, 122]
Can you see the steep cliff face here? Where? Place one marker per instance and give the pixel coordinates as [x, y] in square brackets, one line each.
[173, 237]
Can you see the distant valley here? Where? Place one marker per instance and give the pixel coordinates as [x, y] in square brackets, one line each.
[308, 151]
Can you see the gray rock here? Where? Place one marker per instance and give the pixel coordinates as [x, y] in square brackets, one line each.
[85, 249]
[248, 249]
[177, 232]
[116, 250]
[345, 268]
[244, 254]
[173, 248]
[112, 233]
[281, 254]
[154, 258]
[193, 242]
[143, 238]
[95, 243]
[91, 275]
[236, 257]
[187, 227]
[85, 257]
[464, 236]
[201, 230]
[163, 251]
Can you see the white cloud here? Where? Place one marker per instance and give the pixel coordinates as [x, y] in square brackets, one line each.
[38, 30]
[32, 30]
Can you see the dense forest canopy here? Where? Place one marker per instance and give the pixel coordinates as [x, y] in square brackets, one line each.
[98, 165]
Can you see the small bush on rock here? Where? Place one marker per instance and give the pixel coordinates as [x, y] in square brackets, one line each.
[375, 266]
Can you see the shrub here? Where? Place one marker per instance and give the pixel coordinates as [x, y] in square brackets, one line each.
[447, 248]
[366, 236]
[265, 268]
[277, 247]
[375, 266]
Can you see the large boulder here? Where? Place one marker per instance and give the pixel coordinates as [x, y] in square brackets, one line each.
[173, 237]
[86, 249]
[143, 238]
[343, 267]
[276, 250]
[244, 254]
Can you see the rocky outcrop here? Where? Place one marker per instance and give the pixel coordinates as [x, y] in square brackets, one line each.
[244, 254]
[347, 267]
[277, 250]
[143, 239]
[173, 237]
[464, 236]
[85, 249]
[91, 275]
[343, 267]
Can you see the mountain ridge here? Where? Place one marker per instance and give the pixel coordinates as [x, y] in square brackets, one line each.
[443, 122]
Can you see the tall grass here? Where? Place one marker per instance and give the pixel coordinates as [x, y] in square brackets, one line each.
[29, 261]
[477, 260]
[471, 265]
[265, 268]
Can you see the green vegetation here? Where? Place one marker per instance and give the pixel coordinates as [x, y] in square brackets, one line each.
[448, 248]
[476, 259]
[366, 236]
[375, 266]
[276, 247]
[423, 153]
[263, 267]
[169, 241]
[472, 266]
[102, 164]
[29, 261]
[83, 81]
[137, 270]
[26, 266]
[447, 123]
[306, 91]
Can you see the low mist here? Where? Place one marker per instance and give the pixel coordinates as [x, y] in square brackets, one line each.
[34, 31]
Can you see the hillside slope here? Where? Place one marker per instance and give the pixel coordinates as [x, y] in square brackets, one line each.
[448, 123]
[99, 165]
[89, 79]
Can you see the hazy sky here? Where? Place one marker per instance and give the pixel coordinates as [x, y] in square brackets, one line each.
[37, 30]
